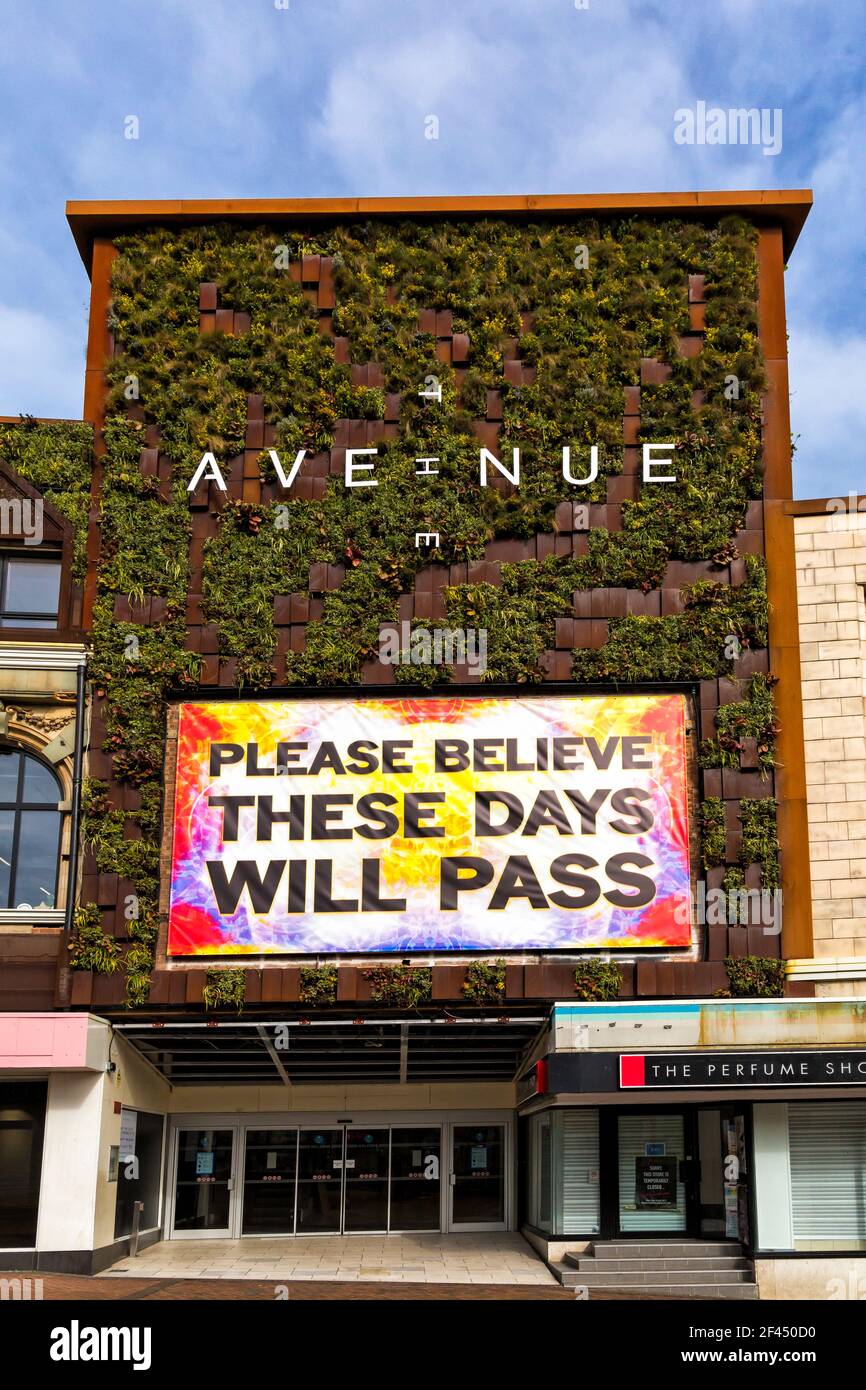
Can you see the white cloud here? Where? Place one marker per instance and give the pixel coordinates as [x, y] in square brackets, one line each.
[832, 240]
[828, 411]
[330, 96]
[514, 115]
[41, 364]
[372, 124]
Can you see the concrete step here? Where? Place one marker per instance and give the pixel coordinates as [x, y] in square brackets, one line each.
[691, 1263]
[663, 1249]
[571, 1278]
[663, 1276]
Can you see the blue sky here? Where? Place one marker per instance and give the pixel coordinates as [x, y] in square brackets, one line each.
[329, 97]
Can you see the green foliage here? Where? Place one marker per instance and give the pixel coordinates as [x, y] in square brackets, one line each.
[589, 333]
[143, 930]
[318, 984]
[684, 646]
[255, 558]
[760, 838]
[587, 336]
[755, 977]
[225, 989]
[56, 458]
[760, 844]
[91, 948]
[713, 835]
[485, 982]
[400, 986]
[138, 986]
[734, 880]
[134, 666]
[753, 717]
[596, 979]
[108, 834]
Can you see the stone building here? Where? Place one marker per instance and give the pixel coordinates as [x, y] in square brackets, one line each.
[323, 980]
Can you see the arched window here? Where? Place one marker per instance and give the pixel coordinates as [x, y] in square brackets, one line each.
[30, 795]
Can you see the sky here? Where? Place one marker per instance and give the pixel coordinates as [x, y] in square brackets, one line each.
[317, 98]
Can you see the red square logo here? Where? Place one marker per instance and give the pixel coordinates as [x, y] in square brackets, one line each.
[631, 1071]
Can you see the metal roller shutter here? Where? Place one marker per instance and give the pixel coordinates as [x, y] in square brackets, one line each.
[580, 1188]
[828, 1170]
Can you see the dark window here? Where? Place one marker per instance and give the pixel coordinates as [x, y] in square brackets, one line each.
[29, 831]
[29, 590]
[145, 1186]
[22, 1120]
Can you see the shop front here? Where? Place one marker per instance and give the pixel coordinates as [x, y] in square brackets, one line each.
[273, 1175]
[615, 1173]
[348, 1126]
[760, 1145]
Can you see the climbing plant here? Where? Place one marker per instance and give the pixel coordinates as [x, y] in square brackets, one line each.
[56, 457]
[712, 832]
[754, 977]
[401, 986]
[318, 984]
[752, 717]
[225, 989]
[91, 948]
[584, 339]
[760, 839]
[485, 982]
[597, 980]
[513, 289]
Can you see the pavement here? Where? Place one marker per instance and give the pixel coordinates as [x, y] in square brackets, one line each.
[416, 1267]
[500, 1259]
[77, 1288]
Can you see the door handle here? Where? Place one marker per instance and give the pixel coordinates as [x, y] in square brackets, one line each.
[230, 1184]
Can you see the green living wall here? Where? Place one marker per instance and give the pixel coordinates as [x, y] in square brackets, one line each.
[57, 459]
[583, 330]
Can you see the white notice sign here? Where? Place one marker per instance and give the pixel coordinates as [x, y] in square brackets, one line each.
[128, 1132]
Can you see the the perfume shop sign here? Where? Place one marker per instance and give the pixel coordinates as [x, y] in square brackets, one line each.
[690, 1070]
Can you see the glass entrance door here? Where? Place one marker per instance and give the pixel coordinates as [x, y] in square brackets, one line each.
[348, 1179]
[365, 1196]
[269, 1178]
[478, 1177]
[416, 1201]
[204, 1182]
[270, 1164]
[320, 1181]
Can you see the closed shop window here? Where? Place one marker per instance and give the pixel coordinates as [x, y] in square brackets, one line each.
[580, 1186]
[827, 1144]
[654, 1144]
[539, 1172]
[545, 1158]
[22, 1122]
[563, 1172]
[139, 1170]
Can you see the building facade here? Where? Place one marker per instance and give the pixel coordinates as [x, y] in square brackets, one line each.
[472, 523]
[830, 538]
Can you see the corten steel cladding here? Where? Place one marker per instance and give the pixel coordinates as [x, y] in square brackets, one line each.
[417, 824]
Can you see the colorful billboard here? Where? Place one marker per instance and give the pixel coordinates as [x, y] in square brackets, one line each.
[454, 823]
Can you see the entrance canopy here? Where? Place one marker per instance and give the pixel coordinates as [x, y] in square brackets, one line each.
[296, 1051]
